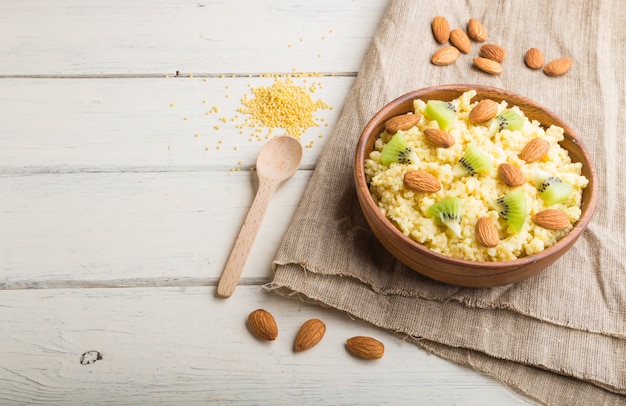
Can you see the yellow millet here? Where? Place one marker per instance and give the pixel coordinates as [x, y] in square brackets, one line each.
[282, 105]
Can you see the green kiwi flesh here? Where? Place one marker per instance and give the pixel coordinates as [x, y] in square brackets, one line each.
[551, 189]
[512, 208]
[398, 150]
[448, 211]
[472, 162]
[443, 112]
[509, 120]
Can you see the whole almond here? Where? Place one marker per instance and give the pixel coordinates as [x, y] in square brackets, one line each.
[460, 40]
[441, 29]
[485, 110]
[536, 149]
[421, 181]
[476, 31]
[365, 347]
[487, 232]
[558, 67]
[445, 56]
[439, 138]
[488, 66]
[311, 333]
[552, 219]
[493, 52]
[262, 324]
[402, 122]
[534, 58]
[511, 175]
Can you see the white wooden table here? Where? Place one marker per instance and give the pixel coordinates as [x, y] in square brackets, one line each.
[120, 201]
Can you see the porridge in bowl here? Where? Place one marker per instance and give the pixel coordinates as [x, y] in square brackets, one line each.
[474, 180]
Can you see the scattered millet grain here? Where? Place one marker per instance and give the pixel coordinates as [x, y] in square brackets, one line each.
[282, 105]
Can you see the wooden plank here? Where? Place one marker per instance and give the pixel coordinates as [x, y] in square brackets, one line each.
[60, 37]
[143, 124]
[164, 346]
[134, 228]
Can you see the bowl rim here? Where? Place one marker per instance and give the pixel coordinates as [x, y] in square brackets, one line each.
[491, 267]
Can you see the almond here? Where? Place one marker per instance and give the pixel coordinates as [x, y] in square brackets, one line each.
[441, 29]
[488, 66]
[365, 347]
[439, 138]
[445, 56]
[460, 40]
[493, 52]
[421, 181]
[476, 31]
[262, 324]
[484, 111]
[552, 219]
[402, 122]
[534, 58]
[535, 150]
[487, 232]
[311, 333]
[511, 175]
[558, 67]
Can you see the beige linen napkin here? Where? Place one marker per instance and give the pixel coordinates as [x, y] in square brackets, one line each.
[558, 337]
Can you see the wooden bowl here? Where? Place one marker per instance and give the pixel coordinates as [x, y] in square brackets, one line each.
[457, 271]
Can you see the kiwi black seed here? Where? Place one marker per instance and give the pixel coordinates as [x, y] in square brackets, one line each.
[512, 208]
[472, 162]
[552, 189]
[398, 150]
[448, 211]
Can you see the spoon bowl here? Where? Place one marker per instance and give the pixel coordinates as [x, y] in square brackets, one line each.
[278, 161]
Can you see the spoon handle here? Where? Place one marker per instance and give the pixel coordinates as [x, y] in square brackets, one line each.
[245, 239]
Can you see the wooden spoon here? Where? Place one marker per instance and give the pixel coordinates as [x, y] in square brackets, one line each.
[278, 161]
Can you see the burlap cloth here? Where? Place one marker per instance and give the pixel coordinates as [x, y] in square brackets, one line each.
[559, 337]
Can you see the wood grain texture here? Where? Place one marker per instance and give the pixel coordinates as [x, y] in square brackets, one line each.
[61, 37]
[164, 346]
[120, 201]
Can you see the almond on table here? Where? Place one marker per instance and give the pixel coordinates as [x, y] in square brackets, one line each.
[365, 347]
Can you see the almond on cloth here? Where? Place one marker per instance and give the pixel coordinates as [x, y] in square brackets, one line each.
[365, 347]
[441, 29]
[476, 31]
[493, 52]
[534, 58]
[402, 122]
[445, 56]
[488, 66]
[460, 40]
[262, 324]
[558, 67]
[310, 333]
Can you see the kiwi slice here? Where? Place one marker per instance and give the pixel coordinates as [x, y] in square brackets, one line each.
[472, 162]
[509, 120]
[512, 208]
[398, 150]
[443, 112]
[551, 189]
[448, 211]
